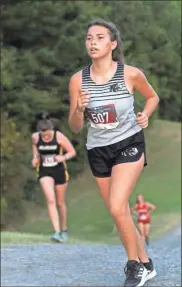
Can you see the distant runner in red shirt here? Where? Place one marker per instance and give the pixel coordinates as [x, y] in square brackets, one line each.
[143, 211]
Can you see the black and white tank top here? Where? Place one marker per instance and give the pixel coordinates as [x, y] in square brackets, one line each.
[48, 151]
[110, 112]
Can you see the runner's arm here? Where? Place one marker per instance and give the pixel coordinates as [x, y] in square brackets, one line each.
[134, 210]
[67, 146]
[76, 118]
[141, 84]
[151, 207]
[34, 146]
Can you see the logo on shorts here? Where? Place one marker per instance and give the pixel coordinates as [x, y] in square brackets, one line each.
[130, 151]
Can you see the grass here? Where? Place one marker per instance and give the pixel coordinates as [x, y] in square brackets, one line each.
[88, 219]
[19, 238]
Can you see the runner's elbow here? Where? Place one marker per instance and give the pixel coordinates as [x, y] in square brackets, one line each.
[75, 128]
[74, 153]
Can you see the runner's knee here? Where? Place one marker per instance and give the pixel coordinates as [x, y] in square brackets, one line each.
[118, 211]
[61, 203]
[51, 201]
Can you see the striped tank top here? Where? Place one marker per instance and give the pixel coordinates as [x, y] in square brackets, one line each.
[110, 112]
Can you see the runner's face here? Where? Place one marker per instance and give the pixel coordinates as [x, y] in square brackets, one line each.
[140, 198]
[46, 134]
[98, 42]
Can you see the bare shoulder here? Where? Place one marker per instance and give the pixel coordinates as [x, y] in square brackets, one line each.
[76, 79]
[133, 72]
[60, 136]
[35, 137]
[149, 203]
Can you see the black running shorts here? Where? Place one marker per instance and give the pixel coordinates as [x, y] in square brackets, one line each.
[102, 159]
[58, 173]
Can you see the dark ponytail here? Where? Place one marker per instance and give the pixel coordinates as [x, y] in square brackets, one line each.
[117, 53]
[42, 116]
[43, 120]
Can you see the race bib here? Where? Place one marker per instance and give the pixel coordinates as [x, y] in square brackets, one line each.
[49, 160]
[143, 216]
[103, 117]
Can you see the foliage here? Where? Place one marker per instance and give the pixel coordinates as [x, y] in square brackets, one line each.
[151, 33]
[12, 178]
[43, 45]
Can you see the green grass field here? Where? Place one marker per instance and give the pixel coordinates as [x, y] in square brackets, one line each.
[88, 219]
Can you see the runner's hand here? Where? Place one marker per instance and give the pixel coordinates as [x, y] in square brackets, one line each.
[59, 158]
[83, 101]
[35, 162]
[142, 120]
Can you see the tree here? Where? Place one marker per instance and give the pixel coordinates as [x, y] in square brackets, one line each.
[151, 32]
[43, 45]
[12, 178]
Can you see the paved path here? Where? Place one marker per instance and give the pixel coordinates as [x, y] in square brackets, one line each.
[86, 265]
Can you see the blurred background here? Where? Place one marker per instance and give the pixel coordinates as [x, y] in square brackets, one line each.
[42, 45]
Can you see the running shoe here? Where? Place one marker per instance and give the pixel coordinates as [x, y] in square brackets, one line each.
[56, 237]
[135, 274]
[64, 235]
[151, 272]
[147, 240]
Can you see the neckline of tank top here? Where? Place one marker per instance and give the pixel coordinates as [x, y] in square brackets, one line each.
[119, 65]
[54, 135]
[142, 203]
